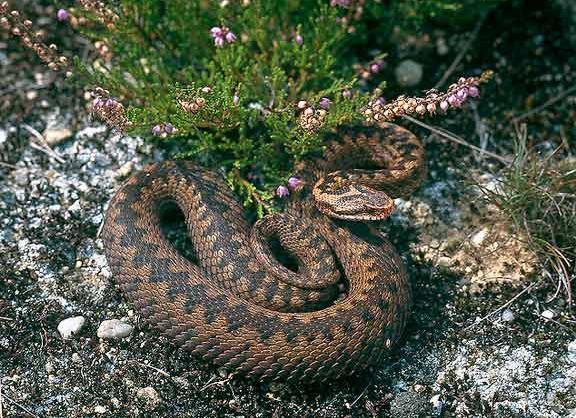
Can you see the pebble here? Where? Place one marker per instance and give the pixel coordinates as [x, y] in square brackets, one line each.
[408, 73]
[437, 405]
[479, 237]
[75, 207]
[441, 47]
[56, 136]
[125, 169]
[507, 315]
[548, 314]
[70, 326]
[150, 396]
[444, 261]
[114, 328]
[99, 409]
[572, 351]
[181, 382]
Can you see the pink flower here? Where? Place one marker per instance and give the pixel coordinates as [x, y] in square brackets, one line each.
[221, 35]
[96, 103]
[216, 32]
[230, 37]
[473, 91]
[219, 41]
[325, 102]
[294, 182]
[282, 191]
[157, 130]
[298, 39]
[62, 15]
[169, 128]
[462, 94]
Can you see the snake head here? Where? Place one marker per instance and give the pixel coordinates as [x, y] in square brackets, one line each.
[354, 202]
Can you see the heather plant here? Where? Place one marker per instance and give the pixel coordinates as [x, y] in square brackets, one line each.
[247, 86]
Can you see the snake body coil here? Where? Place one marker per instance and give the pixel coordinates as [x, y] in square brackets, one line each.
[237, 305]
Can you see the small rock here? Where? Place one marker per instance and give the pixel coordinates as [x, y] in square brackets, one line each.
[114, 328]
[125, 169]
[49, 367]
[70, 326]
[441, 46]
[75, 207]
[55, 136]
[419, 388]
[408, 73]
[479, 237]
[31, 95]
[99, 409]
[507, 315]
[150, 396]
[572, 351]
[548, 314]
[181, 382]
[444, 261]
[437, 405]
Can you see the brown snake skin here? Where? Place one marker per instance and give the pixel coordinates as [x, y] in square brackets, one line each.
[239, 307]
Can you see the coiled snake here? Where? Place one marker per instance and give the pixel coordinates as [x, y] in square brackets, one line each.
[241, 308]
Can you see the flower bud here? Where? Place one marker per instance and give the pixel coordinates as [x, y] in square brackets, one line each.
[282, 191]
[294, 182]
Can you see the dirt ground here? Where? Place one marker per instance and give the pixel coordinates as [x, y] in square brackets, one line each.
[490, 335]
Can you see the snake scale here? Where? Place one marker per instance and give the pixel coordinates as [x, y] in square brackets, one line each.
[237, 305]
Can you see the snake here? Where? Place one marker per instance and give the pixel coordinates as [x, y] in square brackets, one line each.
[306, 295]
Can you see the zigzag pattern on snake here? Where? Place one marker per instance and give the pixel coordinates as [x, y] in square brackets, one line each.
[237, 305]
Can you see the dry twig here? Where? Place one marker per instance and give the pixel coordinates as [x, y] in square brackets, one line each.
[457, 139]
[544, 105]
[43, 145]
[527, 289]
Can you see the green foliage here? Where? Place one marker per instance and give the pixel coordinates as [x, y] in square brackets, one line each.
[235, 106]
[164, 58]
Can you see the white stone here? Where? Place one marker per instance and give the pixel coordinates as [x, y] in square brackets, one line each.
[507, 315]
[150, 396]
[572, 351]
[548, 314]
[99, 409]
[479, 237]
[437, 404]
[75, 207]
[114, 328]
[444, 261]
[55, 136]
[408, 73]
[70, 326]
